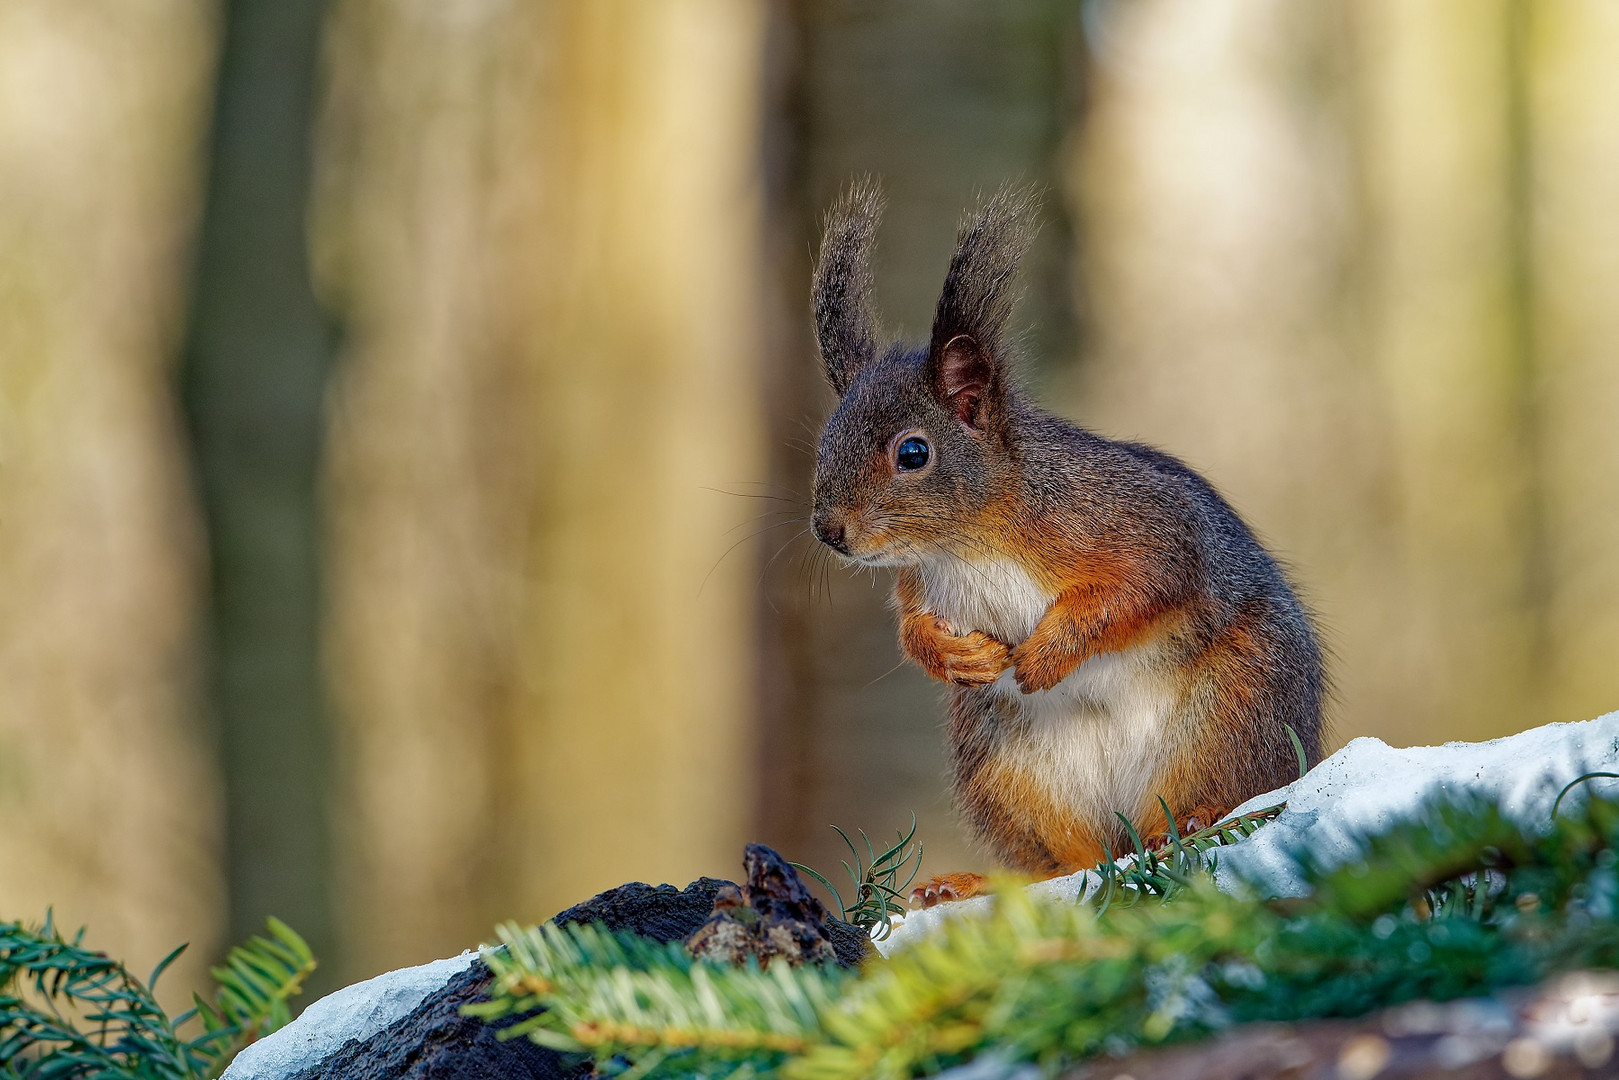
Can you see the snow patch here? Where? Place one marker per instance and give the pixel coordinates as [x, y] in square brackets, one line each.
[353, 1013]
[1368, 786]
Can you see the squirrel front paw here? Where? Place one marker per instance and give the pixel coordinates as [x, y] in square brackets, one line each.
[971, 659]
[1039, 664]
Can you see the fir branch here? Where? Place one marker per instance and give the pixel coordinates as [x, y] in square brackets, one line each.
[1161, 874]
[67, 1012]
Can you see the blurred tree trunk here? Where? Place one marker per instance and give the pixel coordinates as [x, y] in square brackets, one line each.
[254, 377]
[429, 483]
[541, 222]
[1445, 161]
[108, 804]
[634, 740]
[1571, 83]
[943, 103]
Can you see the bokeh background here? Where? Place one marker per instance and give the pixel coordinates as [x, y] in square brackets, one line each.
[405, 411]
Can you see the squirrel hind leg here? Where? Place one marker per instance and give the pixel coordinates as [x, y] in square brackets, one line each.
[947, 887]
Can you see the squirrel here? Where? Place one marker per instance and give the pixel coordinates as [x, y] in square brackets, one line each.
[1112, 632]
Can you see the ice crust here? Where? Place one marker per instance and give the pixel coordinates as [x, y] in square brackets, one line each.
[1363, 789]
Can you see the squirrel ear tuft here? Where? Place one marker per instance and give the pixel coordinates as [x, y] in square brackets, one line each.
[978, 294]
[845, 326]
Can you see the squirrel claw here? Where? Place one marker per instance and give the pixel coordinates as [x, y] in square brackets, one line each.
[1037, 665]
[1195, 820]
[947, 887]
[974, 675]
[1031, 679]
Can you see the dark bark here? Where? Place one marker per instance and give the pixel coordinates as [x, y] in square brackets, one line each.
[435, 1042]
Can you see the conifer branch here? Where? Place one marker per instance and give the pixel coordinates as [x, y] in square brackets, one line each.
[67, 1012]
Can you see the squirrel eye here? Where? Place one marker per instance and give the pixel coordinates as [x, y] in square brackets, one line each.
[912, 454]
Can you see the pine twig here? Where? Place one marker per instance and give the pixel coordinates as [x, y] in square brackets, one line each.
[878, 891]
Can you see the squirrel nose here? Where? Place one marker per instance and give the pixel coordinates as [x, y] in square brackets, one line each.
[829, 531]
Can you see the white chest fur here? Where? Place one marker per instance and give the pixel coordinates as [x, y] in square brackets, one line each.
[1097, 739]
[996, 596]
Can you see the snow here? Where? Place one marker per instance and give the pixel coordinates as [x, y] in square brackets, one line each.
[1362, 789]
[1368, 786]
[354, 1012]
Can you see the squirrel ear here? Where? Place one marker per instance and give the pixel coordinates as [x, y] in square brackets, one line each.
[964, 381]
[844, 324]
[969, 327]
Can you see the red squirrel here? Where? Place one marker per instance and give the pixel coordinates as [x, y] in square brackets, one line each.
[1112, 632]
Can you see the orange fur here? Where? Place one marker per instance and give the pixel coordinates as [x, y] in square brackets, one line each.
[1108, 610]
[1210, 770]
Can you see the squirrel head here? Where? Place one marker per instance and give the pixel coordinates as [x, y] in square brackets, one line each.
[920, 441]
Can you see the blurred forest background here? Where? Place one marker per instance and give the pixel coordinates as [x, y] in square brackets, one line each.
[404, 410]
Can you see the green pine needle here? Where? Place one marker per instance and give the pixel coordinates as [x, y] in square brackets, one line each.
[878, 891]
